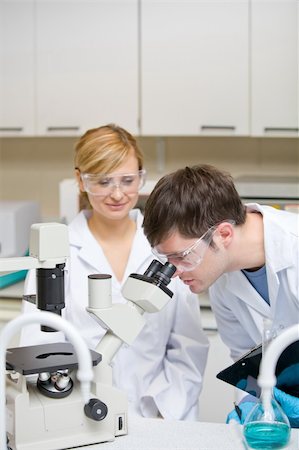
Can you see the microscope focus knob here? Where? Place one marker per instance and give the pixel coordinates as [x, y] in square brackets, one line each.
[95, 409]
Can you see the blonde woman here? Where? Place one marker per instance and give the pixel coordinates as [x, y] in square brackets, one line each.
[162, 371]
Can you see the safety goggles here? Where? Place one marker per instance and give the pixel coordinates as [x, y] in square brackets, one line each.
[192, 256]
[103, 185]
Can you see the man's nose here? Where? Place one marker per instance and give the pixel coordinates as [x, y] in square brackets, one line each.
[177, 273]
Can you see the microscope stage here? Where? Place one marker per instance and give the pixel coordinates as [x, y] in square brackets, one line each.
[45, 358]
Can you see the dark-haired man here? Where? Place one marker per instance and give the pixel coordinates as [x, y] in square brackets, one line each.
[246, 255]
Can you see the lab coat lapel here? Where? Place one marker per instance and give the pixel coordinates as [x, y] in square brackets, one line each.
[240, 287]
[89, 250]
[140, 251]
[92, 254]
[278, 256]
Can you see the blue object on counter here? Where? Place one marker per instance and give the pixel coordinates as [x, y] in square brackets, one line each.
[12, 278]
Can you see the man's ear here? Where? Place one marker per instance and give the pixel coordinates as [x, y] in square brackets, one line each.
[226, 233]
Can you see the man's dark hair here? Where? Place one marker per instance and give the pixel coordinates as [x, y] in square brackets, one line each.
[190, 201]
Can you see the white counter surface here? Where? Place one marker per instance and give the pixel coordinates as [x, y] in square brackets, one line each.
[13, 291]
[159, 434]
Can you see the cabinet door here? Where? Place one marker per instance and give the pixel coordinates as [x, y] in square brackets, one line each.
[216, 399]
[194, 67]
[274, 67]
[16, 68]
[87, 65]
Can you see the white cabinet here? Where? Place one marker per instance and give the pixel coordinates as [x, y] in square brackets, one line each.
[217, 397]
[194, 67]
[178, 67]
[274, 68]
[17, 68]
[87, 65]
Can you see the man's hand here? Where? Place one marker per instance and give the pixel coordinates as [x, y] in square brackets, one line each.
[240, 412]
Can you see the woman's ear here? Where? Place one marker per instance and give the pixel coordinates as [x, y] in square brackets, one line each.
[79, 181]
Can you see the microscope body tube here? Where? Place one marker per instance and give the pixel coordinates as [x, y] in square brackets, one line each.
[50, 291]
[99, 297]
[84, 373]
[99, 291]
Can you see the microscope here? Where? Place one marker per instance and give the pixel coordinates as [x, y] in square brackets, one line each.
[46, 411]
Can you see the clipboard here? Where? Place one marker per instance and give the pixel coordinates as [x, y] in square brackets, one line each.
[244, 372]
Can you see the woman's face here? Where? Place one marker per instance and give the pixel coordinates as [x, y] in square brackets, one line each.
[117, 197]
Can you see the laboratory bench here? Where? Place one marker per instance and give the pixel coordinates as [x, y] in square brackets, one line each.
[10, 306]
[159, 434]
[10, 301]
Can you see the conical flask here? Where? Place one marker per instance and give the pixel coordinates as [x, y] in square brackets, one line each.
[267, 427]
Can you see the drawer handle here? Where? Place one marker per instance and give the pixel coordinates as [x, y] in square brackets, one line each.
[63, 128]
[218, 127]
[12, 129]
[210, 329]
[294, 130]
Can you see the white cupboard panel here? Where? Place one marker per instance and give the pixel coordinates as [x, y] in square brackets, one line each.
[87, 67]
[274, 67]
[194, 67]
[217, 397]
[17, 87]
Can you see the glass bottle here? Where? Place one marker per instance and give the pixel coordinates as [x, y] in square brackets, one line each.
[267, 427]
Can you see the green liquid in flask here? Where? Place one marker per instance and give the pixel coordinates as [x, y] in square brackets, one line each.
[267, 435]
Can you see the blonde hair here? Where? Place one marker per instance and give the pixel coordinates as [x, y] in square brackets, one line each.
[102, 150]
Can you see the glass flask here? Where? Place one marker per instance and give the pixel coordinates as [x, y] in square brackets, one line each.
[267, 428]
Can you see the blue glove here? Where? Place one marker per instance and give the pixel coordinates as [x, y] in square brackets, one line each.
[244, 409]
[290, 406]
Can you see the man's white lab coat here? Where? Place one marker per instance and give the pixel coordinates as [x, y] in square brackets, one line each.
[163, 369]
[239, 309]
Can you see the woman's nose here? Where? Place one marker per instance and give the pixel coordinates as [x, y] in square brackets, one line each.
[116, 193]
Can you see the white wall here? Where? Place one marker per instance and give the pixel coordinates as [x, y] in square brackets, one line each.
[31, 168]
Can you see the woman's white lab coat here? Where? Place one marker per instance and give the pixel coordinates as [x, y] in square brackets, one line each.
[163, 369]
[239, 309]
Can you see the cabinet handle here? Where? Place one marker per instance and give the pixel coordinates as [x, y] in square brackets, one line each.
[294, 130]
[11, 129]
[63, 128]
[214, 329]
[218, 127]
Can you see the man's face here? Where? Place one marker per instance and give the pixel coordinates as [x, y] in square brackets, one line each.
[198, 263]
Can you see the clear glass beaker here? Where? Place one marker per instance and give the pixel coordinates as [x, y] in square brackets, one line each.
[267, 428]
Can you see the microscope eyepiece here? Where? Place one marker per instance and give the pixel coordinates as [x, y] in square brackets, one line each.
[153, 268]
[165, 273]
[161, 273]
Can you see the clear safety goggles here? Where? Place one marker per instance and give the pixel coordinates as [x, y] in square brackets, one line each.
[103, 185]
[192, 256]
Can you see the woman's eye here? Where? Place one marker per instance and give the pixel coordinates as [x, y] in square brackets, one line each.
[127, 180]
[104, 182]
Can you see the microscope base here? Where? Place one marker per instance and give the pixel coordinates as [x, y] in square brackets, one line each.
[36, 422]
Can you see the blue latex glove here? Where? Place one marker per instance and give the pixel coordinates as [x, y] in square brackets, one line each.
[244, 410]
[290, 406]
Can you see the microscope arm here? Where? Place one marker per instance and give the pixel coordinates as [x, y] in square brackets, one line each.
[48, 247]
[9, 265]
[124, 322]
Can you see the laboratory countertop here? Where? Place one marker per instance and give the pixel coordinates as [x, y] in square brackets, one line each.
[13, 291]
[159, 434]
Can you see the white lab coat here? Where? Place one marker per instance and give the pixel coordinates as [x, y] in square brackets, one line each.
[239, 309]
[163, 369]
